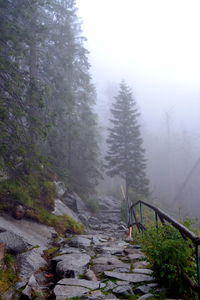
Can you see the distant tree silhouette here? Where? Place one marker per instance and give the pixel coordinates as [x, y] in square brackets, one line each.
[125, 156]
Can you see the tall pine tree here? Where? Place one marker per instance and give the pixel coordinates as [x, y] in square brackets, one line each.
[46, 95]
[125, 156]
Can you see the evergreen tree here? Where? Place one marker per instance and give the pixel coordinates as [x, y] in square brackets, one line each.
[20, 92]
[46, 94]
[125, 156]
[72, 145]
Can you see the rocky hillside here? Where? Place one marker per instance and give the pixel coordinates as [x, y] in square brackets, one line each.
[29, 243]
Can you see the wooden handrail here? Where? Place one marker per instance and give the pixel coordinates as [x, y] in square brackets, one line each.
[184, 230]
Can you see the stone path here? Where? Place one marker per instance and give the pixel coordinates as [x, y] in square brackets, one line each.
[102, 265]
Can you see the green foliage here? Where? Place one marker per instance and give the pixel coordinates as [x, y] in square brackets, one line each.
[29, 190]
[9, 260]
[169, 255]
[92, 205]
[8, 273]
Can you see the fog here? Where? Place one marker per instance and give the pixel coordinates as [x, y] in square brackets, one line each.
[153, 45]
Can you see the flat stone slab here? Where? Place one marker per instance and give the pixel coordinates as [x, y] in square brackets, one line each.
[135, 278]
[107, 260]
[101, 268]
[123, 290]
[62, 291]
[140, 264]
[143, 271]
[132, 251]
[112, 250]
[121, 270]
[92, 285]
[71, 264]
[135, 256]
[70, 250]
[144, 297]
[80, 242]
[73, 258]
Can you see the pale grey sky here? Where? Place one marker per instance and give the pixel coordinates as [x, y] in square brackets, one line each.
[155, 46]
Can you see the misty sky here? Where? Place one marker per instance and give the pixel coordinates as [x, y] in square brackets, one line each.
[155, 46]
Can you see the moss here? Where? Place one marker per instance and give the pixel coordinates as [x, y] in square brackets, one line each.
[49, 253]
[8, 274]
[60, 223]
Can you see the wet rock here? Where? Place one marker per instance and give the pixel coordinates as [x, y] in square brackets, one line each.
[92, 285]
[61, 209]
[143, 271]
[123, 290]
[144, 297]
[80, 242]
[135, 278]
[99, 268]
[90, 275]
[73, 201]
[95, 227]
[31, 287]
[69, 250]
[32, 233]
[72, 265]
[29, 262]
[63, 292]
[110, 286]
[135, 256]
[84, 219]
[132, 251]
[140, 264]
[93, 221]
[60, 188]
[122, 270]
[110, 260]
[14, 243]
[112, 250]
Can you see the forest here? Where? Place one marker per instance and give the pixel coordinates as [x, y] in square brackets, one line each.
[54, 122]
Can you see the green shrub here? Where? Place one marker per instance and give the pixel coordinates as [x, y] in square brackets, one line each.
[169, 255]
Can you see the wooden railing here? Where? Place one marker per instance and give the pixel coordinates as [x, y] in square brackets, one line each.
[185, 232]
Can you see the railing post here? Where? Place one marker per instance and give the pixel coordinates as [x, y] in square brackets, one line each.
[141, 214]
[156, 218]
[197, 262]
